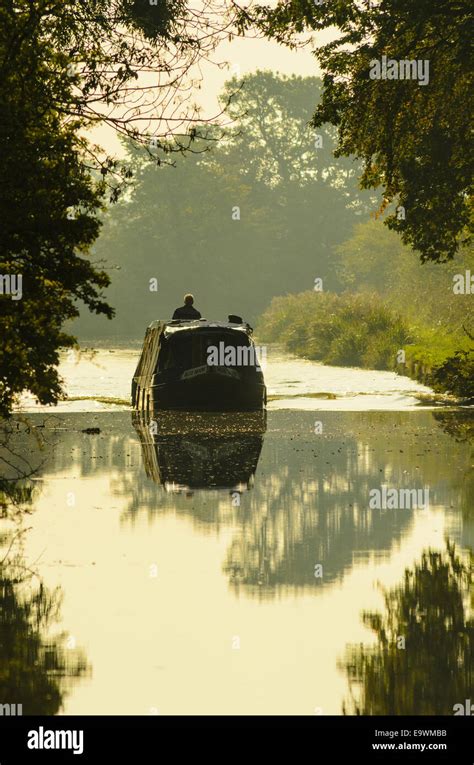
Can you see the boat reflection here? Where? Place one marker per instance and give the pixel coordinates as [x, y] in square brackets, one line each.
[188, 451]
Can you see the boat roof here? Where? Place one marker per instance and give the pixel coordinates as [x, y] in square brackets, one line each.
[161, 329]
[172, 327]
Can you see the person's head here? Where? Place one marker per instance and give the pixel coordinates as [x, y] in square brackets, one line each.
[188, 299]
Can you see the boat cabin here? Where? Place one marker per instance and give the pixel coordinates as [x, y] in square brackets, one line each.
[199, 365]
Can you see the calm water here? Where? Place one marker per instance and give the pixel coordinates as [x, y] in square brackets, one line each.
[224, 565]
[292, 383]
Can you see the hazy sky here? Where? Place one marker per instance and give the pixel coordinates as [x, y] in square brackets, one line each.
[243, 56]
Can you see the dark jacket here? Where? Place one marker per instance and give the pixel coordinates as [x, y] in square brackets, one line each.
[186, 312]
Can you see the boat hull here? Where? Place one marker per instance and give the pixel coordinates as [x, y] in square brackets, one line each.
[211, 394]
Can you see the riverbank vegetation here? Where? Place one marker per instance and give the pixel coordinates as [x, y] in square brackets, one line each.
[392, 313]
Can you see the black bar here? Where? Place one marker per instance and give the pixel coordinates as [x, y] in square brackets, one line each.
[148, 739]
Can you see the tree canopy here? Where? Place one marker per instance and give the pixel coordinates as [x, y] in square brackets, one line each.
[412, 136]
[66, 67]
[48, 206]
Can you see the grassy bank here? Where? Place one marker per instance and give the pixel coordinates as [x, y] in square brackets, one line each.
[359, 329]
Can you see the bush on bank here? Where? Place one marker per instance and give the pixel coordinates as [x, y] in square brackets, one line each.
[456, 375]
[346, 330]
[360, 330]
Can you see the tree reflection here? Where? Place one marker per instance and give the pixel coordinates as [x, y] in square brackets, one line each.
[35, 671]
[430, 670]
[17, 491]
[292, 499]
[460, 426]
[309, 501]
[35, 668]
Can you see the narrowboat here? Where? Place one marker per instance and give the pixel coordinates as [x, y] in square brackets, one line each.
[199, 365]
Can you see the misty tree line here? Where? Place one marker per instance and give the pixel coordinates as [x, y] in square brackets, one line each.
[253, 215]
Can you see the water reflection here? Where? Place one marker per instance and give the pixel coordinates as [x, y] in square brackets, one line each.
[422, 661]
[36, 670]
[36, 667]
[198, 451]
[310, 500]
[177, 499]
[20, 459]
[460, 426]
